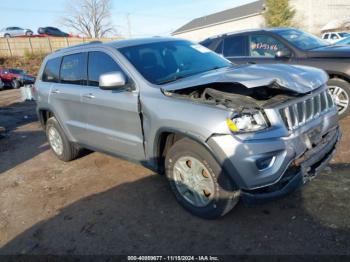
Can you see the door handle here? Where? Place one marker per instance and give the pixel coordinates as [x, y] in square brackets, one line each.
[55, 91]
[251, 63]
[89, 96]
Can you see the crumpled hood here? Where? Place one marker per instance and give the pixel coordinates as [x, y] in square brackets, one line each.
[300, 79]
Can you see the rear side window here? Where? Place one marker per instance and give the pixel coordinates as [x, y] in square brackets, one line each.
[100, 63]
[52, 70]
[236, 46]
[213, 44]
[73, 69]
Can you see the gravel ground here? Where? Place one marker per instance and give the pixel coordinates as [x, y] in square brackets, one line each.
[104, 205]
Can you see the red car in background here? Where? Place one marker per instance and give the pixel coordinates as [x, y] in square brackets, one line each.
[15, 78]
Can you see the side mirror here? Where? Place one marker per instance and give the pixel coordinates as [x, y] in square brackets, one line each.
[111, 81]
[284, 54]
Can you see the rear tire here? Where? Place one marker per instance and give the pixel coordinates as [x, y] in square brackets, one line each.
[206, 190]
[340, 91]
[7, 35]
[59, 143]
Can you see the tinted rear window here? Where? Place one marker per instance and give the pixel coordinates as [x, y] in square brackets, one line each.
[213, 44]
[235, 46]
[73, 69]
[51, 71]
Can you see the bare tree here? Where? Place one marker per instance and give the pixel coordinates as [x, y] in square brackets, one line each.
[91, 18]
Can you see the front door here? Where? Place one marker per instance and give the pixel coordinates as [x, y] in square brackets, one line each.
[254, 49]
[112, 117]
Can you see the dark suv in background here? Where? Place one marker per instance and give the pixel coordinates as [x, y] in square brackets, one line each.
[52, 31]
[290, 46]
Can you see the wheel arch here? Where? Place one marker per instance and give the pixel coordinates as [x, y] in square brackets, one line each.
[44, 114]
[166, 137]
[333, 74]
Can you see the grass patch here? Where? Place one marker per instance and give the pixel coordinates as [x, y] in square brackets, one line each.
[30, 62]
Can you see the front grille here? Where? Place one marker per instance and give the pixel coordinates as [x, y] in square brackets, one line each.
[298, 114]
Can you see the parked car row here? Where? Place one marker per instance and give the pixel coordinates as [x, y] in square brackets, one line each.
[42, 31]
[290, 46]
[15, 78]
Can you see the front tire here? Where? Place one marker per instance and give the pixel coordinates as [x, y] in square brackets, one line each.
[59, 143]
[199, 183]
[340, 91]
[15, 84]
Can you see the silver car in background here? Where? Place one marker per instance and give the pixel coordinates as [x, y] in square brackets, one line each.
[15, 31]
[220, 132]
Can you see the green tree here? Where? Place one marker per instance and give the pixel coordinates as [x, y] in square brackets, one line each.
[278, 13]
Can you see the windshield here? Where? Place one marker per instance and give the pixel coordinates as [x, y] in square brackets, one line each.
[165, 62]
[344, 34]
[302, 40]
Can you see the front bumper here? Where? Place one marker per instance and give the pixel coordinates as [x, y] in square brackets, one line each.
[292, 156]
[300, 172]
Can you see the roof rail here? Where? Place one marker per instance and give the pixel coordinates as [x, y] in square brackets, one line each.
[83, 44]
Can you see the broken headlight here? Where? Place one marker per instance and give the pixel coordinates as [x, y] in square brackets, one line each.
[247, 122]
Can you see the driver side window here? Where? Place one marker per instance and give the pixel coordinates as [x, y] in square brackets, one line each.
[264, 46]
[100, 63]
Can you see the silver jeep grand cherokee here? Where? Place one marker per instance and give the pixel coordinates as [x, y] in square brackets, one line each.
[218, 131]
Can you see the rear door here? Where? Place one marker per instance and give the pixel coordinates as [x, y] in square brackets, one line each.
[235, 48]
[65, 95]
[112, 117]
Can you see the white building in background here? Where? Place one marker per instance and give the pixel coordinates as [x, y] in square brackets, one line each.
[311, 16]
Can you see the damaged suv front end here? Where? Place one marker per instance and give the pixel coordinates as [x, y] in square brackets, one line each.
[283, 123]
[271, 128]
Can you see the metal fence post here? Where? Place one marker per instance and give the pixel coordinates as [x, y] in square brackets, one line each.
[9, 47]
[48, 40]
[30, 44]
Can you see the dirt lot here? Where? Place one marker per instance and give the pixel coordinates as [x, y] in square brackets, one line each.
[103, 205]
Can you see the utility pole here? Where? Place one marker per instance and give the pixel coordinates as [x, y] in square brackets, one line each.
[128, 24]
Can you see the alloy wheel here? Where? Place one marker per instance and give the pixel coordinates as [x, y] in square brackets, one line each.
[340, 97]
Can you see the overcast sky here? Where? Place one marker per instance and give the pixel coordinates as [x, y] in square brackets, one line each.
[147, 18]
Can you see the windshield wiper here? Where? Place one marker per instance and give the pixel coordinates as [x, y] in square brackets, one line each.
[177, 77]
[172, 79]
